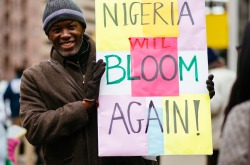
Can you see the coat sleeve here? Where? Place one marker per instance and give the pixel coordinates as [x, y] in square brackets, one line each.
[47, 125]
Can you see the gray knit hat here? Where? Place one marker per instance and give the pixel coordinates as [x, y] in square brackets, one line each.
[59, 10]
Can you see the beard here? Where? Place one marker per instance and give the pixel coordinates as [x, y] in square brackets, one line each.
[72, 52]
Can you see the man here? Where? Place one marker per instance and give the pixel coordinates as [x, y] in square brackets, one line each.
[217, 67]
[59, 96]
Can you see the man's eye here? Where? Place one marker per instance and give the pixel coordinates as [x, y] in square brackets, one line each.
[71, 27]
[56, 30]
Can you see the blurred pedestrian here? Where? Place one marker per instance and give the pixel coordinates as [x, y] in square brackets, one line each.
[59, 97]
[7, 145]
[235, 144]
[12, 96]
[222, 74]
[11, 99]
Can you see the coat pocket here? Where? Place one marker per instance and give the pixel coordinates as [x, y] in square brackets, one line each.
[57, 161]
[60, 151]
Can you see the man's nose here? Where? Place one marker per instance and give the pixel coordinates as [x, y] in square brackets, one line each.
[65, 33]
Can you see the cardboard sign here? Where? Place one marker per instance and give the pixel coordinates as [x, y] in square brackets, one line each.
[153, 96]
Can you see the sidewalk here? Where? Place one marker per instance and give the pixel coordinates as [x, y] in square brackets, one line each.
[183, 160]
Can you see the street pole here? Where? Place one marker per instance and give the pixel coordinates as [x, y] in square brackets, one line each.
[233, 20]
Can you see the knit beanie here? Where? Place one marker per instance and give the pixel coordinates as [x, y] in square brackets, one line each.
[59, 10]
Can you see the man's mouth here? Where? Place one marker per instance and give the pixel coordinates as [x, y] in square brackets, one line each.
[67, 45]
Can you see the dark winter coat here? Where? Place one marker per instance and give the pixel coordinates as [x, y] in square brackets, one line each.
[55, 118]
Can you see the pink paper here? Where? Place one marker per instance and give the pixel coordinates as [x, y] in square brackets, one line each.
[192, 26]
[118, 131]
[154, 66]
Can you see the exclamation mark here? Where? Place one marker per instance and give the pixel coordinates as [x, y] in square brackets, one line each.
[196, 108]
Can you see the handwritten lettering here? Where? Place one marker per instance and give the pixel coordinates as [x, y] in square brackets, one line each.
[177, 117]
[157, 66]
[188, 68]
[136, 13]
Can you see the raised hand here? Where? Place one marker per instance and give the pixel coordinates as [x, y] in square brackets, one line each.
[93, 85]
[210, 86]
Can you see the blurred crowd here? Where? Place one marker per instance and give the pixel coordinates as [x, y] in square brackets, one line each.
[13, 146]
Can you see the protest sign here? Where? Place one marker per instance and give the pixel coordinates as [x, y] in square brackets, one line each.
[153, 96]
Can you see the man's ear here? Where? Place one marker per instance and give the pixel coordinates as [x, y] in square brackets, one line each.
[49, 37]
[83, 30]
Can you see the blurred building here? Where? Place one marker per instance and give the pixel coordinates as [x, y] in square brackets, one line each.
[225, 20]
[22, 39]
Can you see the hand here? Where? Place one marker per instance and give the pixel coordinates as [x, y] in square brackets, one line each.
[93, 85]
[88, 104]
[210, 86]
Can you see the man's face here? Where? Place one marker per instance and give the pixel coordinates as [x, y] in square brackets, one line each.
[66, 37]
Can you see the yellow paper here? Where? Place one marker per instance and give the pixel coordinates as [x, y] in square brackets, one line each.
[163, 21]
[119, 20]
[187, 126]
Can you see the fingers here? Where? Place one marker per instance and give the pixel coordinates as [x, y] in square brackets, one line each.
[211, 77]
[93, 84]
[96, 65]
[97, 70]
[100, 71]
[211, 94]
[210, 80]
[101, 63]
[210, 85]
